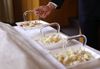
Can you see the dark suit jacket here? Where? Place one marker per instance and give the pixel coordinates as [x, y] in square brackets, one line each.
[89, 8]
[58, 2]
[86, 7]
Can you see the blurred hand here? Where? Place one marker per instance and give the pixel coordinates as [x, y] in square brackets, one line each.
[44, 11]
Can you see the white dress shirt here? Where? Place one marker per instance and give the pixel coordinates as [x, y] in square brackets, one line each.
[55, 5]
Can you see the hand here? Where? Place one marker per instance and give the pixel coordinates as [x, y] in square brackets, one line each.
[44, 11]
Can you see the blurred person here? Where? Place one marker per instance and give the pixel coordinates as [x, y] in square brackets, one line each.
[89, 17]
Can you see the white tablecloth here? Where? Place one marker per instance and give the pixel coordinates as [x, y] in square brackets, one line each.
[16, 52]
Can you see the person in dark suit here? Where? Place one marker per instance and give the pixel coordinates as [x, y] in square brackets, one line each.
[89, 17]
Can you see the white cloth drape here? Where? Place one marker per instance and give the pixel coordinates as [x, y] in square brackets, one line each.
[18, 53]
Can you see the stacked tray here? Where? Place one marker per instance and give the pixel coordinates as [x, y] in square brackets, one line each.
[64, 48]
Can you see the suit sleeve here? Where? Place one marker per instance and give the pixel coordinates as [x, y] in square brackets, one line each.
[58, 2]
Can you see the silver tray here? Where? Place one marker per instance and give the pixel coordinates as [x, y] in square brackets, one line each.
[74, 47]
[50, 45]
[37, 24]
